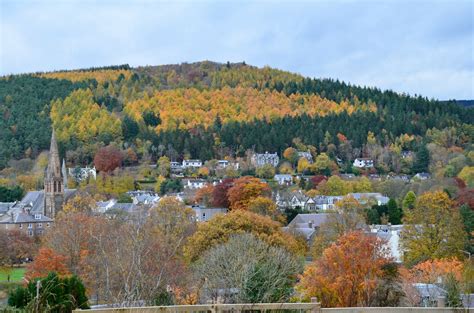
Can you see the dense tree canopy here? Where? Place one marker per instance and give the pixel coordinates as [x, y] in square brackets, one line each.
[202, 109]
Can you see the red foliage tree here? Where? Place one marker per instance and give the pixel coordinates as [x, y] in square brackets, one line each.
[108, 159]
[315, 180]
[219, 194]
[466, 196]
[246, 189]
[45, 262]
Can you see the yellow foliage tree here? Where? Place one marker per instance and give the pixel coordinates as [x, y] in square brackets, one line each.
[303, 165]
[79, 117]
[433, 229]
[467, 174]
[221, 227]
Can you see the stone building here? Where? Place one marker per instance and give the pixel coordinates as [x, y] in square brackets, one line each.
[38, 209]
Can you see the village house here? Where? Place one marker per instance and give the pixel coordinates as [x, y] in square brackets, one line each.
[204, 214]
[298, 199]
[305, 154]
[260, 159]
[422, 176]
[367, 196]
[192, 164]
[283, 179]
[390, 234]
[144, 197]
[191, 183]
[307, 225]
[81, 173]
[223, 164]
[406, 154]
[401, 177]
[363, 163]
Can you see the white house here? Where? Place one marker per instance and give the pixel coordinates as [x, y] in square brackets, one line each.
[260, 159]
[222, 163]
[391, 235]
[365, 196]
[81, 173]
[305, 154]
[363, 163]
[144, 197]
[299, 199]
[194, 183]
[422, 176]
[104, 206]
[283, 179]
[192, 163]
[204, 214]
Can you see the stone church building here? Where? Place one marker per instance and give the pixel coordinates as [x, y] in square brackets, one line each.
[35, 213]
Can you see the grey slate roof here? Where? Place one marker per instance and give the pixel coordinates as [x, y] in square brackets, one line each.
[306, 224]
[5, 206]
[28, 218]
[127, 207]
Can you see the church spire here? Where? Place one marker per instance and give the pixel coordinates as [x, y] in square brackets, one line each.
[54, 165]
[64, 172]
[53, 182]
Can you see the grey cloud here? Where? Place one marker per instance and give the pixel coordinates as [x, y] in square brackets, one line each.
[422, 47]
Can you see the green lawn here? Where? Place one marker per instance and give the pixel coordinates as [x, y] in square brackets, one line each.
[15, 275]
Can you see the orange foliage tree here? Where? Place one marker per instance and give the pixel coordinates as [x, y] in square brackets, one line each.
[346, 275]
[188, 108]
[204, 195]
[45, 262]
[219, 229]
[246, 189]
[432, 270]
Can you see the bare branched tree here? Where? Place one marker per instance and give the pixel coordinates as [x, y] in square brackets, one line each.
[246, 269]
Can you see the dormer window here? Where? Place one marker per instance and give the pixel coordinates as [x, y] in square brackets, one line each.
[37, 216]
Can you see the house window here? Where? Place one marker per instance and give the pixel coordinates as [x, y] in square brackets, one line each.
[30, 226]
[47, 224]
[21, 225]
[203, 216]
[30, 233]
[40, 225]
[40, 232]
[37, 216]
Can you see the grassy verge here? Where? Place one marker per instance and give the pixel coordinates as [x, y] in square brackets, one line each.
[16, 275]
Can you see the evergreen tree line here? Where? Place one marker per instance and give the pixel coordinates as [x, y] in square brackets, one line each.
[24, 113]
[25, 103]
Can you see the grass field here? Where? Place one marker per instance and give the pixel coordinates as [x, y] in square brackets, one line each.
[16, 275]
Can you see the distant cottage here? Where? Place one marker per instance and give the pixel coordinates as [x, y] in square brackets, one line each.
[283, 179]
[305, 154]
[81, 173]
[363, 163]
[260, 159]
[192, 163]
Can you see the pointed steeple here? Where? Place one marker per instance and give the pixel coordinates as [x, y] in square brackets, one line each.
[64, 172]
[54, 167]
[53, 182]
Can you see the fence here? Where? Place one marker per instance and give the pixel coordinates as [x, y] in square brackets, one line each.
[313, 307]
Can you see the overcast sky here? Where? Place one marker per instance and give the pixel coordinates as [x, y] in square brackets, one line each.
[418, 47]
